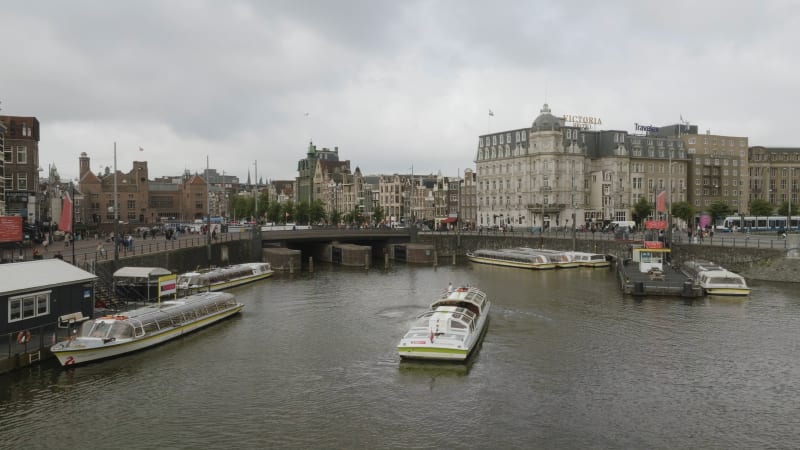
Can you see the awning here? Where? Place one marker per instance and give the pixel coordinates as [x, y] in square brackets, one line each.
[140, 272]
[450, 220]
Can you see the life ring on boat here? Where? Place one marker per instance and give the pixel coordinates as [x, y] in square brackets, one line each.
[120, 317]
[462, 289]
[23, 337]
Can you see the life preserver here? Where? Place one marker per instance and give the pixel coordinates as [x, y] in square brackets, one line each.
[23, 337]
[462, 289]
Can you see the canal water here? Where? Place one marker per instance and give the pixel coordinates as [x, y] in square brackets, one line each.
[567, 362]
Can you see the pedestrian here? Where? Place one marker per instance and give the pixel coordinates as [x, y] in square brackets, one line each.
[450, 287]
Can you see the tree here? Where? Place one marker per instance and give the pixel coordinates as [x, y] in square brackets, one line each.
[287, 212]
[684, 211]
[378, 214]
[783, 210]
[719, 210]
[335, 217]
[317, 211]
[301, 212]
[642, 209]
[355, 216]
[263, 204]
[760, 207]
[274, 212]
[242, 206]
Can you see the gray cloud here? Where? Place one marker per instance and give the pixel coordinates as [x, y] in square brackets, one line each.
[391, 83]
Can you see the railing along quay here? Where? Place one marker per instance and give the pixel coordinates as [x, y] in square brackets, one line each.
[740, 240]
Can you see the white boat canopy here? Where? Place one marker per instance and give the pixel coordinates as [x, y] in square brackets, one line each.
[140, 272]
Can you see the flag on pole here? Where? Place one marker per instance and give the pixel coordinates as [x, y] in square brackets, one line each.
[491, 113]
[661, 202]
[65, 224]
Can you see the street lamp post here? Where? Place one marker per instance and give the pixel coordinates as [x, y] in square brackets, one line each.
[72, 225]
[541, 234]
[116, 211]
[789, 212]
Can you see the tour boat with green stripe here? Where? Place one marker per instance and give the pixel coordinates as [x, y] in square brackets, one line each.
[110, 336]
[451, 330]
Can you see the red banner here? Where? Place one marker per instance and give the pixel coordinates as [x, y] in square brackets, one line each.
[655, 225]
[661, 202]
[65, 224]
[10, 228]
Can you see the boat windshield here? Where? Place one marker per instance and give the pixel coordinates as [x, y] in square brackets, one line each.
[104, 329]
[726, 281]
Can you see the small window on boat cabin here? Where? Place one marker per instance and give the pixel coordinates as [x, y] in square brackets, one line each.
[458, 325]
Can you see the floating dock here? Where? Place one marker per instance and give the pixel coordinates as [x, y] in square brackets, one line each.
[647, 271]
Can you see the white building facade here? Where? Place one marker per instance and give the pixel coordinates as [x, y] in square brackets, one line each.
[555, 175]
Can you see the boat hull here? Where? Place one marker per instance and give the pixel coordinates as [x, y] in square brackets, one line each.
[240, 282]
[731, 292]
[68, 355]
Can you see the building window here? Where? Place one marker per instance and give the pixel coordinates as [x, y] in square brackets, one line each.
[22, 154]
[28, 306]
[22, 181]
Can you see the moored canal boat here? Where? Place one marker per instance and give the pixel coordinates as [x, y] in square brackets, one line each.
[589, 259]
[451, 330]
[511, 258]
[221, 278]
[111, 336]
[715, 279]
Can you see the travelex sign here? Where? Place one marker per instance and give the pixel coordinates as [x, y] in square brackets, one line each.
[646, 128]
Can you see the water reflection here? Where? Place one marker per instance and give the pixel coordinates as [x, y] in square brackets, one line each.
[566, 362]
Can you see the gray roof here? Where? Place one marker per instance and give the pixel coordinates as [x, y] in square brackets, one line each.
[43, 273]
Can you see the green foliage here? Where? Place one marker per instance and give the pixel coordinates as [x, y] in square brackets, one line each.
[355, 215]
[335, 217]
[783, 210]
[719, 210]
[317, 211]
[378, 214]
[760, 207]
[274, 212]
[242, 206]
[642, 209]
[287, 212]
[684, 211]
[301, 212]
[263, 204]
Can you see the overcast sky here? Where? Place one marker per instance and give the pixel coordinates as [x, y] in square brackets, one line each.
[393, 84]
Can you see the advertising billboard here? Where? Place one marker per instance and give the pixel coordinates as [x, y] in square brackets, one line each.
[10, 229]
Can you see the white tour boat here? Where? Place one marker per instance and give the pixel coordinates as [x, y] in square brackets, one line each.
[715, 279]
[110, 336]
[220, 278]
[452, 328]
[511, 258]
[589, 259]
